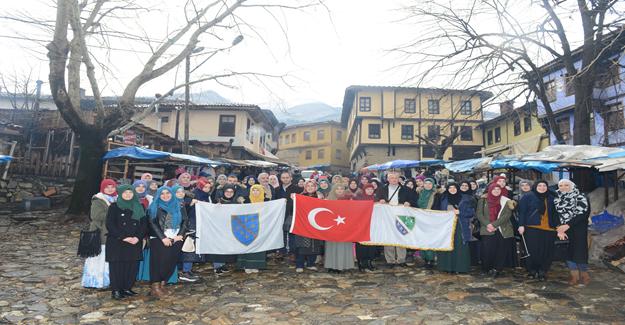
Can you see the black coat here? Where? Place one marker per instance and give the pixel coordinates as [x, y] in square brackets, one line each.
[402, 194]
[120, 225]
[157, 225]
[528, 210]
[578, 237]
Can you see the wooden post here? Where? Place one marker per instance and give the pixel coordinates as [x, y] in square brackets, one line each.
[616, 180]
[606, 196]
[48, 139]
[126, 169]
[71, 154]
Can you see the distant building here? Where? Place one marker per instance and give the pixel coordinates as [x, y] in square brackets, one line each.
[320, 145]
[607, 120]
[388, 123]
[234, 131]
[514, 131]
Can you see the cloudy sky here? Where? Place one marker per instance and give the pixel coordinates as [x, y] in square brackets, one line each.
[320, 50]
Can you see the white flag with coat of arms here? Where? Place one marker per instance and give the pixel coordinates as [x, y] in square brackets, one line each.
[239, 228]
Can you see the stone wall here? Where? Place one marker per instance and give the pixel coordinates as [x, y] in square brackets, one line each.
[17, 188]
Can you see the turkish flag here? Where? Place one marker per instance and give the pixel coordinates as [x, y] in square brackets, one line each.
[338, 221]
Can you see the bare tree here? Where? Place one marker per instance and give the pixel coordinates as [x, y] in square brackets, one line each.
[70, 50]
[493, 44]
[18, 89]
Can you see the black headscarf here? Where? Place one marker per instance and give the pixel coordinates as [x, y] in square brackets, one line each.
[453, 199]
[541, 196]
[469, 191]
[224, 199]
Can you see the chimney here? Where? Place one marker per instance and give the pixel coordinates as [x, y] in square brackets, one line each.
[506, 107]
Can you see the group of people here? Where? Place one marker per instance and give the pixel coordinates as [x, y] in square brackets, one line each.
[143, 226]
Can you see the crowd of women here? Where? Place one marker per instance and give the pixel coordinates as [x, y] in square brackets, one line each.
[144, 227]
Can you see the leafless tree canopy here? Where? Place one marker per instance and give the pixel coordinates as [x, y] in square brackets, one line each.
[499, 45]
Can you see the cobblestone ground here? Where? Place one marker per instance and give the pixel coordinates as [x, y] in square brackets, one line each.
[40, 283]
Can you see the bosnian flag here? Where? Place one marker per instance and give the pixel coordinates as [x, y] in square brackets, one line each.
[337, 221]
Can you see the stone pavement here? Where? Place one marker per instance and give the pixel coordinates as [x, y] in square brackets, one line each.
[40, 283]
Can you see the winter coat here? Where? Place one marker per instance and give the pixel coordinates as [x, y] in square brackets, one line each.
[97, 217]
[528, 210]
[120, 225]
[503, 219]
[158, 224]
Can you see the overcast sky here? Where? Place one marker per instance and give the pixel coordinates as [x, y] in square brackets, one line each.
[322, 51]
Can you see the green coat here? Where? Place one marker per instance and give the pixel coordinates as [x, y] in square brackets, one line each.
[99, 209]
[503, 221]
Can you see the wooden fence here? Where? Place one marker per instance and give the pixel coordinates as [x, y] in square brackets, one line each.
[52, 165]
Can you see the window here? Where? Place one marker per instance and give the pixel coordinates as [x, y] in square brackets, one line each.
[165, 119]
[410, 105]
[321, 134]
[248, 134]
[286, 139]
[434, 131]
[365, 104]
[611, 76]
[428, 152]
[497, 134]
[434, 106]
[550, 90]
[614, 118]
[306, 135]
[489, 137]
[466, 133]
[517, 126]
[569, 85]
[321, 154]
[565, 127]
[226, 125]
[338, 154]
[465, 107]
[293, 137]
[374, 131]
[308, 154]
[527, 123]
[407, 132]
[339, 135]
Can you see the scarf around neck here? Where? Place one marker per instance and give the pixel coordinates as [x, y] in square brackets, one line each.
[570, 204]
[133, 204]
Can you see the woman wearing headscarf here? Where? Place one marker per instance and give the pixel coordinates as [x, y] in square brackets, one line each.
[168, 225]
[502, 182]
[366, 254]
[324, 187]
[537, 222]
[187, 203]
[252, 262]
[140, 188]
[353, 187]
[419, 182]
[376, 183]
[428, 199]
[185, 180]
[336, 179]
[273, 181]
[468, 222]
[127, 225]
[202, 192]
[364, 180]
[339, 256]
[459, 259]
[411, 188]
[573, 209]
[152, 187]
[221, 180]
[494, 212]
[146, 177]
[96, 270]
[300, 184]
[228, 196]
[306, 249]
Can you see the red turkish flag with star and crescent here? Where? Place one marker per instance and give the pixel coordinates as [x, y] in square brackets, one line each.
[337, 221]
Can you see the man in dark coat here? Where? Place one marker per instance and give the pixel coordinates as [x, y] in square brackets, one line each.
[394, 194]
[286, 189]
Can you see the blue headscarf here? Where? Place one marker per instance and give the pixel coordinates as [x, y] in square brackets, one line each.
[172, 206]
[145, 185]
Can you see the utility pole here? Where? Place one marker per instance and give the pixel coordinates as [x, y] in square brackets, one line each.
[187, 89]
[34, 117]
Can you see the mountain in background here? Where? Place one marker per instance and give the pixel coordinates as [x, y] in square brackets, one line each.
[489, 115]
[308, 113]
[206, 97]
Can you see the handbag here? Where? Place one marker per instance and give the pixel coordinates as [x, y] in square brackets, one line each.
[89, 244]
[561, 250]
[189, 245]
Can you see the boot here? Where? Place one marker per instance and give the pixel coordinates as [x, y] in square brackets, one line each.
[361, 267]
[574, 279]
[585, 277]
[165, 291]
[370, 265]
[156, 290]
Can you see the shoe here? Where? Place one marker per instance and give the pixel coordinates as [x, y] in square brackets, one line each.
[187, 277]
[574, 279]
[218, 271]
[166, 291]
[225, 269]
[155, 290]
[532, 275]
[299, 270]
[361, 267]
[403, 265]
[370, 266]
[117, 295]
[542, 276]
[311, 268]
[585, 277]
[129, 293]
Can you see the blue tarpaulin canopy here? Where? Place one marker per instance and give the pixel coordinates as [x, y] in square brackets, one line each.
[541, 166]
[404, 164]
[150, 154]
[5, 159]
[462, 166]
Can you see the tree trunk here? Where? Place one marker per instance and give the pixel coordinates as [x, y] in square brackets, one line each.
[581, 114]
[92, 148]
